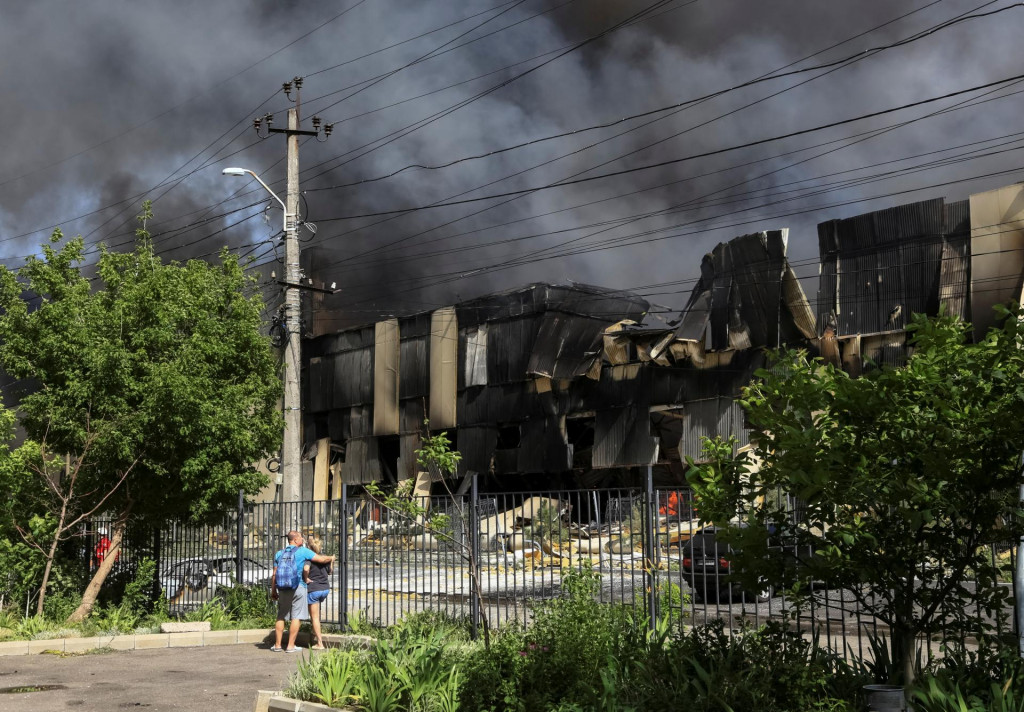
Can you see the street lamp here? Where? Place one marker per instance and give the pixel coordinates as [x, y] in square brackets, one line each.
[242, 172]
[291, 444]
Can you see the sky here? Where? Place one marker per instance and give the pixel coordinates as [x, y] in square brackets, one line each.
[106, 104]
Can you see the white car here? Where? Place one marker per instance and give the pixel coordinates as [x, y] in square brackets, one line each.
[198, 578]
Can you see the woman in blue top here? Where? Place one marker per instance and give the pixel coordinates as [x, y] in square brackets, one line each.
[318, 587]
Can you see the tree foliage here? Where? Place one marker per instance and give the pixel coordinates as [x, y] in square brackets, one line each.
[155, 382]
[892, 485]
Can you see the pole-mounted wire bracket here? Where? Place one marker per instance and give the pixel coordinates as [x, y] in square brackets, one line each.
[307, 287]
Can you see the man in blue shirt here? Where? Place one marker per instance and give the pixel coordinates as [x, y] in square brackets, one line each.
[289, 590]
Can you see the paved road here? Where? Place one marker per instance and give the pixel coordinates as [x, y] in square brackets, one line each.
[223, 678]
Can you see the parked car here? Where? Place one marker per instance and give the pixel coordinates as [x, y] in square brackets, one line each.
[708, 567]
[199, 578]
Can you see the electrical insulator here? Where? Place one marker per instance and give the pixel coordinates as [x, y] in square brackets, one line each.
[298, 82]
[328, 128]
[287, 87]
[316, 123]
[269, 118]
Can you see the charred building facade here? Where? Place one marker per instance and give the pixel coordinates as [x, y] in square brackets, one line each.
[557, 385]
[576, 386]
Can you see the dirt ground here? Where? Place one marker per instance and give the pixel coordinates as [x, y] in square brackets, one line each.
[223, 678]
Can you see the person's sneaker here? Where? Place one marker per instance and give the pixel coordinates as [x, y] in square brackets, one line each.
[292, 650]
[276, 649]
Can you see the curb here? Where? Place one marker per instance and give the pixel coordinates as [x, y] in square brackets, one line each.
[148, 641]
[191, 639]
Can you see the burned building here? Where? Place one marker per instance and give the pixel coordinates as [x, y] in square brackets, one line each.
[879, 268]
[556, 385]
[580, 386]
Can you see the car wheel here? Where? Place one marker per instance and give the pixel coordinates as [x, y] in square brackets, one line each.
[763, 594]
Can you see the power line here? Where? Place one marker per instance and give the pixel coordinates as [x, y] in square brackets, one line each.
[686, 103]
[661, 164]
[450, 222]
[179, 105]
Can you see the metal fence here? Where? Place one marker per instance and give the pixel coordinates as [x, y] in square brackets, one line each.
[492, 557]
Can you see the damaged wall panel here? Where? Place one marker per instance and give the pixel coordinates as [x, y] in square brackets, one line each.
[997, 252]
[474, 362]
[711, 418]
[444, 356]
[566, 346]
[879, 268]
[386, 354]
[477, 447]
[622, 438]
[362, 461]
[544, 446]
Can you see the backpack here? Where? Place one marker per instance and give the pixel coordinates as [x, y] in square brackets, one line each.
[287, 576]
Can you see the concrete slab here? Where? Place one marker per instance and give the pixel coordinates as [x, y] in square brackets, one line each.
[220, 637]
[80, 645]
[14, 647]
[38, 646]
[151, 640]
[185, 640]
[255, 636]
[122, 642]
[185, 627]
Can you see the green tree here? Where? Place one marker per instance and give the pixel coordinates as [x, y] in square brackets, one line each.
[901, 479]
[150, 394]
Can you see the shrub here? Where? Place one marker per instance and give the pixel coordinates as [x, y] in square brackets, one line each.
[251, 605]
[402, 673]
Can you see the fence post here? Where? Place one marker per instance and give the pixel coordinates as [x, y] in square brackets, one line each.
[650, 547]
[343, 561]
[160, 567]
[474, 547]
[239, 535]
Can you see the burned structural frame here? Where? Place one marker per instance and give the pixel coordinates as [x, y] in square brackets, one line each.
[558, 385]
[548, 385]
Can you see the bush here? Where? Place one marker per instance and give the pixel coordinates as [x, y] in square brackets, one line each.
[250, 605]
[403, 673]
[559, 659]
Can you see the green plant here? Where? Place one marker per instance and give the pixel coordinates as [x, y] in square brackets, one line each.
[336, 679]
[28, 628]
[935, 695]
[214, 612]
[377, 691]
[250, 604]
[111, 618]
[423, 624]
[904, 476]
[137, 592]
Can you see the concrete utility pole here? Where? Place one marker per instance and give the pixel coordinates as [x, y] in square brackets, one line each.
[291, 449]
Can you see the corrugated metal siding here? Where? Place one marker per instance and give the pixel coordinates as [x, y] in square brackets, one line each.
[879, 268]
[543, 447]
[353, 378]
[710, 418]
[509, 344]
[413, 368]
[566, 345]
[320, 384]
[622, 438]
[362, 461]
[473, 348]
[477, 448]
[955, 274]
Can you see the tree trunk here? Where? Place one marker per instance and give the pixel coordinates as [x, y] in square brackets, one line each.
[109, 558]
[46, 573]
[904, 655]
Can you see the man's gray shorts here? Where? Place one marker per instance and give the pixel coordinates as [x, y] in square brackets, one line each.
[292, 605]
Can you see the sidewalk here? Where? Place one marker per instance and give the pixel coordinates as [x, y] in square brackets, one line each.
[223, 678]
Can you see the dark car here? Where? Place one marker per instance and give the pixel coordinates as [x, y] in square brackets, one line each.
[709, 569]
